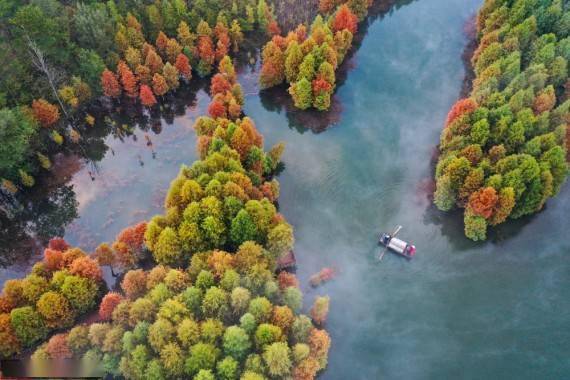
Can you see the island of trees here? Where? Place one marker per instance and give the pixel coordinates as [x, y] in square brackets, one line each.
[504, 148]
[212, 307]
[308, 61]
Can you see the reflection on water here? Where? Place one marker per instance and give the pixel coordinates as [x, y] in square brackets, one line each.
[116, 177]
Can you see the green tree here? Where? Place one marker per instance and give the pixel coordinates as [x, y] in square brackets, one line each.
[302, 93]
[236, 343]
[277, 357]
[28, 325]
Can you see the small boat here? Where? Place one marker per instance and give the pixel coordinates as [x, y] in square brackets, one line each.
[396, 245]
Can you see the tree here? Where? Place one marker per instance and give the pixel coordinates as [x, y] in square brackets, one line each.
[215, 303]
[80, 292]
[170, 74]
[220, 84]
[483, 201]
[243, 228]
[159, 85]
[345, 19]
[277, 358]
[236, 342]
[188, 332]
[86, 267]
[293, 298]
[273, 69]
[108, 305]
[294, 58]
[110, 84]
[9, 343]
[202, 356]
[57, 347]
[172, 359]
[173, 49]
[55, 310]
[504, 206]
[267, 334]
[183, 66]
[128, 80]
[134, 283]
[29, 327]
[319, 342]
[46, 113]
[320, 310]
[302, 93]
[475, 226]
[282, 317]
[461, 107]
[16, 132]
[161, 42]
[227, 369]
[280, 239]
[146, 96]
[153, 62]
[236, 35]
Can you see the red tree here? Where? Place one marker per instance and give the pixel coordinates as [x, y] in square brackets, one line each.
[206, 49]
[183, 66]
[460, 108]
[53, 260]
[483, 201]
[58, 244]
[110, 84]
[217, 109]
[45, 112]
[128, 80]
[57, 347]
[345, 19]
[108, 304]
[273, 28]
[146, 96]
[220, 84]
[286, 280]
[86, 267]
[133, 236]
[320, 85]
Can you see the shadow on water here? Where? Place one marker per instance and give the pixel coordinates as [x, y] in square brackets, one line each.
[30, 219]
[277, 99]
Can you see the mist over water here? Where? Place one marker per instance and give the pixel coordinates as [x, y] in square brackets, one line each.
[459, 309]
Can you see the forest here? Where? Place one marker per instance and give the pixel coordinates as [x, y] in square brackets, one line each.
[504, 148]
[197, 289]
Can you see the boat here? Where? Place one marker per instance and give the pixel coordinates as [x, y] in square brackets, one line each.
[392, 243]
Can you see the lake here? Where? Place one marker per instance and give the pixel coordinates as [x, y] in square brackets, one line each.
[460, 309]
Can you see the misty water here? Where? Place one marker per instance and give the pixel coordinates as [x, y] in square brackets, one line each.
[459, 309]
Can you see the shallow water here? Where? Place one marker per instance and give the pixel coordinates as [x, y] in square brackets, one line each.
[458, 310]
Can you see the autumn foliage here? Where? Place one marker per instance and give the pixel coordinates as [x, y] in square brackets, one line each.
[46, 113]
[108, 304]
[146, 96]
[345, 19]
[110, 84]
[460, 108]
[482, 202]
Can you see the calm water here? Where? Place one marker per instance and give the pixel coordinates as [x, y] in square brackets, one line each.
[459, 309]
